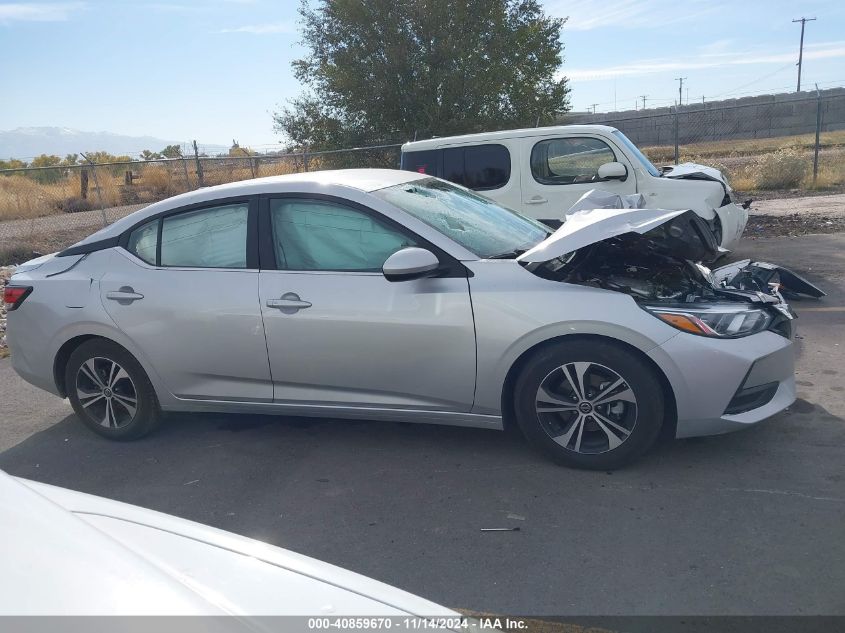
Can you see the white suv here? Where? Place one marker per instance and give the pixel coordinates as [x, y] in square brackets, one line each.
[541, 172]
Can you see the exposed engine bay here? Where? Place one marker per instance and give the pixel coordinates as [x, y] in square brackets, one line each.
[662, 266]
[626, 264]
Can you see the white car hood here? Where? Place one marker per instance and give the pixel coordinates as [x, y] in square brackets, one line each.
[695, 171]
[589, 226]
[68, 553]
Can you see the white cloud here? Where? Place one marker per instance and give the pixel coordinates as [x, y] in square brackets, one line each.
[826, 50]
[46, 12]
[586, 15]
[262, 29]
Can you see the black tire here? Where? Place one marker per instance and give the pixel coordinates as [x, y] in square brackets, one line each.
[124, 423]
[641, 419]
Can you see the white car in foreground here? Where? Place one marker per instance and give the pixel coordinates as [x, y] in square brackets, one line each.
[70, 553]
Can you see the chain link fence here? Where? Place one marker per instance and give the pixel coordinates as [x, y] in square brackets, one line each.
[43, 209]
[782, 143]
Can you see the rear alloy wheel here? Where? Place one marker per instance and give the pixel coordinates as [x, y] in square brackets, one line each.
[110, 392]
[589, 404]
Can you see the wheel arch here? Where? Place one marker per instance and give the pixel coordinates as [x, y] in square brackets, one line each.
[63, 356]
[508, 411]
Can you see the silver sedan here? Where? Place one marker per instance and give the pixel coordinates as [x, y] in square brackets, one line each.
[382, 294]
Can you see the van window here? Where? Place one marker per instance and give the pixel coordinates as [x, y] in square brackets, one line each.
[478, 167]
[567, 161]
[424, 162]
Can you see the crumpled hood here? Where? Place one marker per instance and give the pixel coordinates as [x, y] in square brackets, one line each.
[589, 226]
[694, 171]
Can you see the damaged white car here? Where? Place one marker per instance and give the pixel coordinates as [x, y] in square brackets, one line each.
[542, 172]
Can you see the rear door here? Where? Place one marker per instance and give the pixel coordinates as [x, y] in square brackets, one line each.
[561, 169]
[185, 289]
[338, 333]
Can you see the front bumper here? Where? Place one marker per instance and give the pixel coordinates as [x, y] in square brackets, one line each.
[707, 375]
[733, 219]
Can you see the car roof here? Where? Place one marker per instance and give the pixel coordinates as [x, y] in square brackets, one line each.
[326, 181]
[501, 135]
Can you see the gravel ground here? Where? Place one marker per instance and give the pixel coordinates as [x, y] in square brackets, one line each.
[5, 273]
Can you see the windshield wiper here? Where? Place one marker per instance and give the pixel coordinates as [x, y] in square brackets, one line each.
[516, 252]
[509, 254]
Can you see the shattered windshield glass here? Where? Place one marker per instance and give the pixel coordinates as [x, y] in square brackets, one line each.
[654, 171]
[476, 223]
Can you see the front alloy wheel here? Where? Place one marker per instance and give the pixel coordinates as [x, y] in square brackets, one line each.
[589, 403]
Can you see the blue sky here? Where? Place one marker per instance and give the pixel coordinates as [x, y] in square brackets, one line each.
[216, 69]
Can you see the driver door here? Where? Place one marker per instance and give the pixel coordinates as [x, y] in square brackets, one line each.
[339, 333]
[565, 168]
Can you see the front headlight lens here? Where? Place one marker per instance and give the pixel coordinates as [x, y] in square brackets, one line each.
[716, 320]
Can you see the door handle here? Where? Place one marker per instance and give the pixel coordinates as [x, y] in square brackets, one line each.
[289, 303]
[124, 295]
[536, 200]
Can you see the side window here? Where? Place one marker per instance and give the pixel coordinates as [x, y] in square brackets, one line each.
[567, 161]
[487, 166]
[317, 235]
[478, 167]
[143, 242]
[424, 162]
[207, 238]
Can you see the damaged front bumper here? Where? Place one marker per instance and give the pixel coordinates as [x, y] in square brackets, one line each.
[722, 386]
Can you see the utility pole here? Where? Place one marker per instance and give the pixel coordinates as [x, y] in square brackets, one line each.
[803, 21]
[593, 106]
[643, 97]
[680, 81]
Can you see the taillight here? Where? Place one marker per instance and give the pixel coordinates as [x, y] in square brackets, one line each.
[13, 296]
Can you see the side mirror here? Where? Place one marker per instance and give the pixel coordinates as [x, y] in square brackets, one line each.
[613, 171]
[410, 263]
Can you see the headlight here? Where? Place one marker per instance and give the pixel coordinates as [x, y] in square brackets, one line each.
[717, 320]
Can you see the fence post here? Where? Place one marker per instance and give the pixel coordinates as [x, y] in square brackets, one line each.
[677, 153]
[818, 133]
[97, 185]
[83, 183]
[185, 169]
[199, 164]
[304, 159]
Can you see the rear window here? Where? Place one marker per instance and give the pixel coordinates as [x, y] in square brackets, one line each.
[478, 167]
[421, 162]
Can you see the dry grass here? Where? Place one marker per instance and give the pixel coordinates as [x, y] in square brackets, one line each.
[767, 164]
[747, 147]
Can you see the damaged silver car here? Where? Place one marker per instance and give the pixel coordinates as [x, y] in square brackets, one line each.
[385, 294]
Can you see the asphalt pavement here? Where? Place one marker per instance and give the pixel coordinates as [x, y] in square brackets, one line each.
[748, 523]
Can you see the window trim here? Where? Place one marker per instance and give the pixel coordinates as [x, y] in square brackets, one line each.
[252, 258]
[450, 267]
[565, 138]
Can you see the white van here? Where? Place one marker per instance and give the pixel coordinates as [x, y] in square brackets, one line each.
[543, 171]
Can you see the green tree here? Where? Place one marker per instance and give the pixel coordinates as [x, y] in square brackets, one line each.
[12, 163]
[395, 69]
[171, 151]
[148, 155]
[45, 160]
[71, 159]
